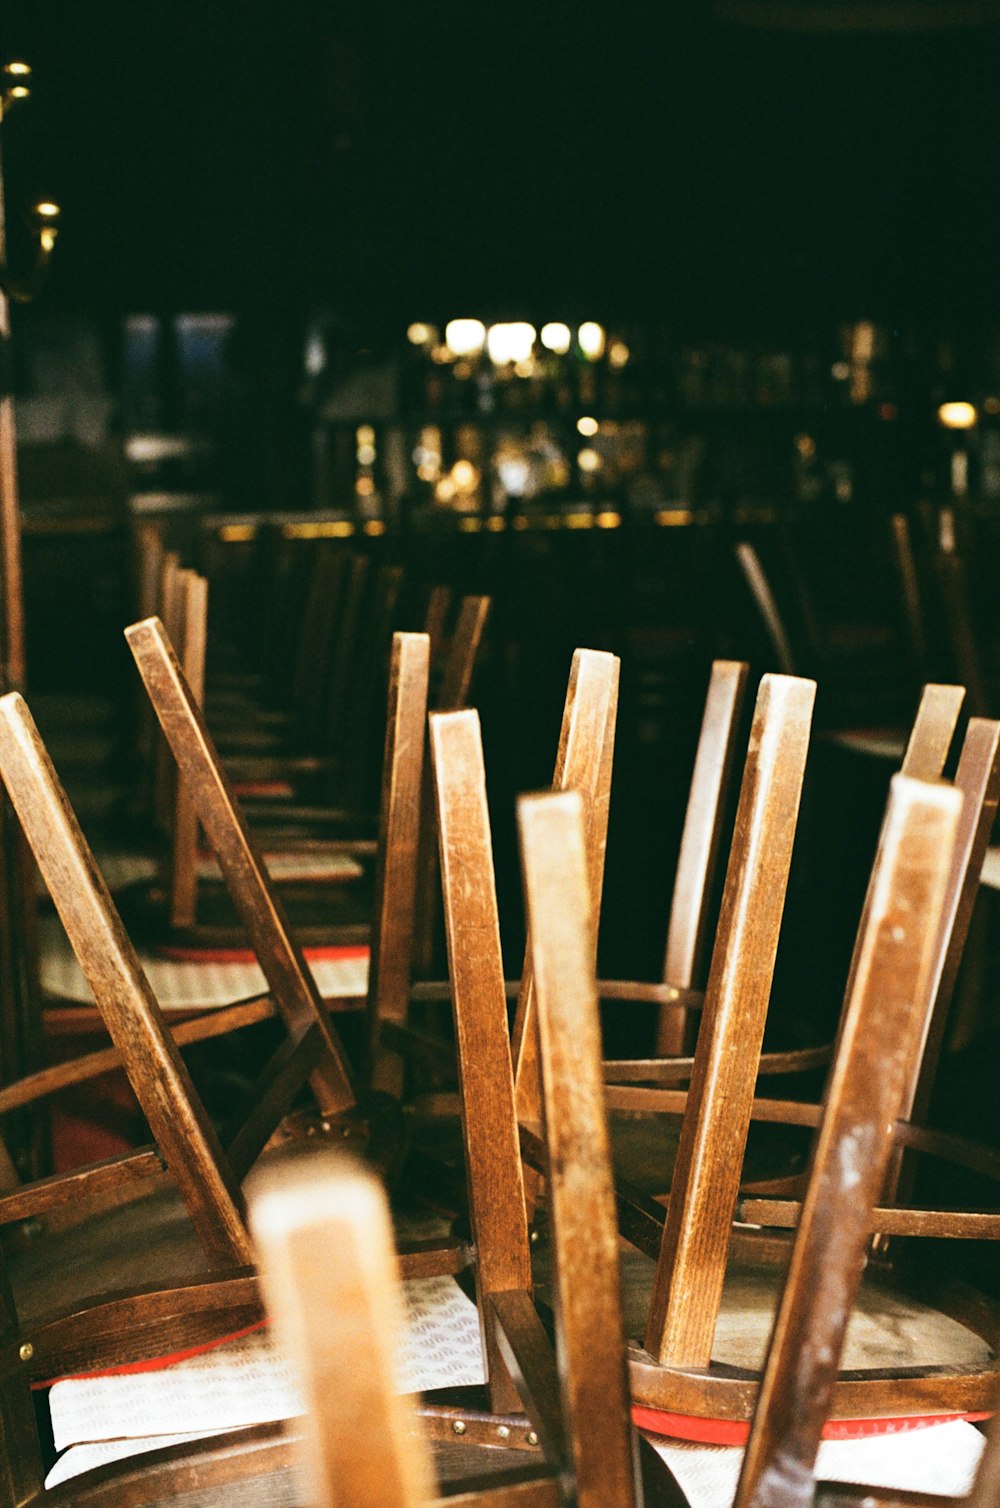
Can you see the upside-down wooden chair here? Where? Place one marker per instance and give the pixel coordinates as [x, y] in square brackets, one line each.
[323, 1239]
[648, 1155]
[690, 1358]
[866, 671]
[882, 1030]
[140, 1310]
[326, 881]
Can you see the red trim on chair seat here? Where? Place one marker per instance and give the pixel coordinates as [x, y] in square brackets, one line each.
[736, 1431]
[321, 953]
[155, 1363]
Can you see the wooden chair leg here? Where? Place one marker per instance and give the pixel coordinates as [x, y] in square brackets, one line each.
[687, 932]
[396, 869]
[183, 1133]
[589, 1325]
[183, 889]
[583, 762]
[284, 966]
[331, 1284]
[691, 1267]
[866, 1088]
[489, 1121]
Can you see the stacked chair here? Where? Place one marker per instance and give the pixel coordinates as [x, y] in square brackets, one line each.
[717, 1312]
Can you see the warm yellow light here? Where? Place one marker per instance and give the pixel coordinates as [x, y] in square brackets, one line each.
[365, 486]
[496, 524]
[419, 334]
[957, 415]
[556, 337]
[806, 446]
[17, 70]
[365, 434]
[591, 338]
[374, 526]
[608, 520]
[445, 490]
[47, 210]
[618, 354]
[464, 337]
[510, 342]
[587, 425]
[19, 91]
[465, 476]
[588, 460]
[863, 341]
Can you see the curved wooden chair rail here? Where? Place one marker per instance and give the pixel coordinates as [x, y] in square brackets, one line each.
[675, 1372]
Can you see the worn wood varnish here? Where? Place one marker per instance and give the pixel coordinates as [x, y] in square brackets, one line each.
[331, 1284]
[589, 1324]
[690, 1272]
[882, 1023]
[489, 1122]
[295, 994]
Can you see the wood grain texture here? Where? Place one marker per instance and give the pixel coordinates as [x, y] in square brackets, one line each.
[882, 1022]
[396, 866]
[183, 895]
[489, 1121]
[589, 1325]
[691, 1268]
[583, 762]
[292, 986]
[451, 696]
[701, 840]
[331, 1284]
[932, 732]
[182, 1130]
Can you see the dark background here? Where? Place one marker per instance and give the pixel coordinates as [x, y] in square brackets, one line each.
[550, 159]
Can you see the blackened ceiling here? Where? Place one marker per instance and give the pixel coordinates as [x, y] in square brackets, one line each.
[545, 158]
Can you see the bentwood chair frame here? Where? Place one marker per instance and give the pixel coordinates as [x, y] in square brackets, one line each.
[207, 1178]
[674, 1371]
[924, 758]
[882, 1029]
[328, 1287]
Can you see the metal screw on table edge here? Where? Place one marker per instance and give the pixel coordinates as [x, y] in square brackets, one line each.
[532, 1437]
[27, 1351]
[459, 1427]
[503, 1431]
